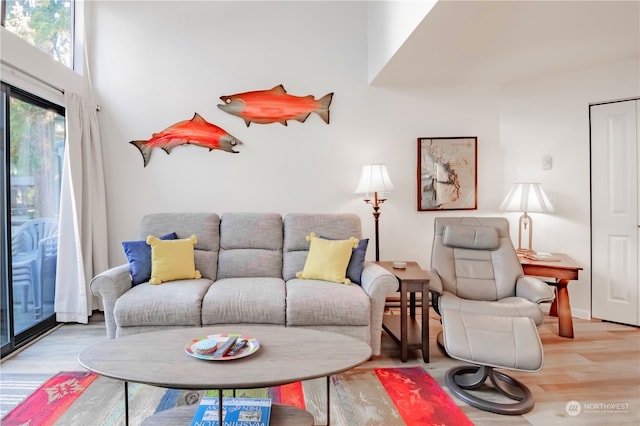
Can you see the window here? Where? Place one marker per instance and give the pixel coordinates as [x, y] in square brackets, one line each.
[32, 150]
[46, 24]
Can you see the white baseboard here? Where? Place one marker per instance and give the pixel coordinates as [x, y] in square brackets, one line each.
[575, 313]
[581, 313]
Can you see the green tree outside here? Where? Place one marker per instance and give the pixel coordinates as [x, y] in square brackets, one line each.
[35, 133]
[45, 24]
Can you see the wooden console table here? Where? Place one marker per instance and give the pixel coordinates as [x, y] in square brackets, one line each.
[407, 332]
[562, 272]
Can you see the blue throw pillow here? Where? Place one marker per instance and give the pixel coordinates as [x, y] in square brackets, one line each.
[356, 263]
[139, 256]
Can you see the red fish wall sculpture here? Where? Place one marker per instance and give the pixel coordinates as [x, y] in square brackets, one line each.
[196, 131]
[275, 105]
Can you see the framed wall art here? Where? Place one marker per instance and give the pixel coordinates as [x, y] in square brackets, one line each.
[447, 173]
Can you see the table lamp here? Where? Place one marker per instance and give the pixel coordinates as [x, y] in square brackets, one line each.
[526, 197]
[374, 180]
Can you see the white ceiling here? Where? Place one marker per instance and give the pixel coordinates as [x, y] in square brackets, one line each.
[462, 42]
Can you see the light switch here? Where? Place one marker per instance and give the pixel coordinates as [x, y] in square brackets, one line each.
[547, 162]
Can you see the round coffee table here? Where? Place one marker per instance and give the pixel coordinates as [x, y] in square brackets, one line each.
[286, 355]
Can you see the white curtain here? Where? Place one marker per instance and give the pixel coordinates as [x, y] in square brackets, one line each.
[82, 236]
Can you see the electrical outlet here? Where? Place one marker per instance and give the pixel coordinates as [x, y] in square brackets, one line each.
[547, 162]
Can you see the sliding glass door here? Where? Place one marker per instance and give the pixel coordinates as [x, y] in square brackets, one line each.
[33, 134]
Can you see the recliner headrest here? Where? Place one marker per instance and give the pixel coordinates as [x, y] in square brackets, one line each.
[471, 237]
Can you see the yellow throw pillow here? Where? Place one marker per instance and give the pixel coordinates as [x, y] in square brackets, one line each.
[173, 261]
[328, 259]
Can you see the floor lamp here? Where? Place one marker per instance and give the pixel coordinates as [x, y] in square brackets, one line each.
[526, 197]
[375, 180]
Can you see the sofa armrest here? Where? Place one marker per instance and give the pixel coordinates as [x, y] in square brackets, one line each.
[378, 283]
[534, 289]
[109, 285]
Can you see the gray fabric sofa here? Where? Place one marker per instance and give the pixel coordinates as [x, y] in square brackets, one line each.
[248, 263]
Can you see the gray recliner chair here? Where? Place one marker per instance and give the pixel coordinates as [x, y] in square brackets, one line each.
[489, 310]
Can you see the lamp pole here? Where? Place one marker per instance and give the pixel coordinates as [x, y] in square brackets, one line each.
[376, 219]
[524, 221]
[374, 179]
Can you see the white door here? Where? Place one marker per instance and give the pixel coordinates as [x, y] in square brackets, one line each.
[614, 208]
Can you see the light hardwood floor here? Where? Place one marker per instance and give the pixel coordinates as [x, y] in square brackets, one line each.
[599, 368]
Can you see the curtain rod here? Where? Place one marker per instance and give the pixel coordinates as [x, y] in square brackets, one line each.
[36, 78]
[30, 75]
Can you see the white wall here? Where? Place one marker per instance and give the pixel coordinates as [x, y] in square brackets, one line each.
[550, 116]
[156, 63]
[166, 61]
[390, 23]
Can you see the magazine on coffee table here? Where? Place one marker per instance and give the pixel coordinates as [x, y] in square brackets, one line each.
[235, 411]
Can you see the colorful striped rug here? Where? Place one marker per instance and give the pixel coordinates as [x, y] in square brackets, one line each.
[51, 400]
[380, 396]
[15, 388]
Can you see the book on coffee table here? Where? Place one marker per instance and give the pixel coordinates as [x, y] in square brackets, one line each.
[235, 411]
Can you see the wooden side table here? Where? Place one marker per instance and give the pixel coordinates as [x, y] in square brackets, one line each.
[406, 331]
[562, 272]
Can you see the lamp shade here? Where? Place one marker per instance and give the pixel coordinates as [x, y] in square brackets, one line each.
[374, 178]
[527, 197]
